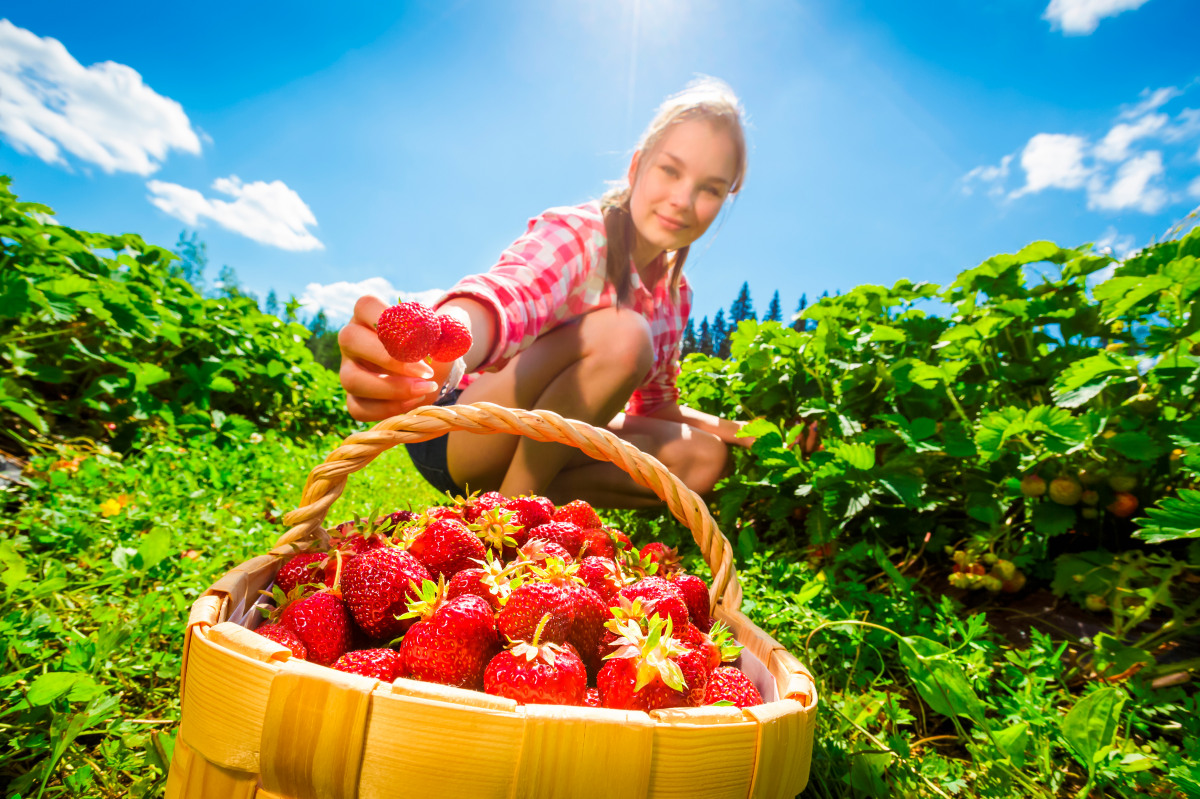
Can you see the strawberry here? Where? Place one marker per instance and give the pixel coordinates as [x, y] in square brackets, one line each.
[589, 609]
[285, 636]
[453, 640]
[303, 569]
[408, 331]
[666, 557]
[644, 672]
[445, 547]
[536, 550]
[660, 597]
[493, 581]
[532, 511]
[525, 607]
[729, 684]
[497, 528]
[377, 586]
[598, 541]
[535, 672]
[568, 535]
[579, 513]
[322, 622]
[453, 341]
[382, 664]
[695, 594]
[471, 507]
[602, 575]
[591, 698]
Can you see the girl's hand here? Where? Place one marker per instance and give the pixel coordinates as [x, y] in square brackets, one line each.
[378, 386]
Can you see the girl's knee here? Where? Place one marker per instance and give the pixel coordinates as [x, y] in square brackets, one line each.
[704, 461]
[622, 338]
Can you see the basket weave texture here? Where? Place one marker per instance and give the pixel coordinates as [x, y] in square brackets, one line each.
[258, 723]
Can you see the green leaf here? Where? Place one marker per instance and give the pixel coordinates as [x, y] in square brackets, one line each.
[1136, 446]
[1013, 741]
[76, 687]
[857, 455]
[1120, 295]
[866, 772]
[940, 682]
[155, 547]
[223, 384]
[1083, 380]
[1173, 518]
[147, 374]
[1092, 724]
[1050, 518]
[1112, 657]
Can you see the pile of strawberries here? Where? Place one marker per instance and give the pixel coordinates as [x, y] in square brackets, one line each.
[514, 597]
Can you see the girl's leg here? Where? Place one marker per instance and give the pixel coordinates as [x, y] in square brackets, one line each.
[586, 370]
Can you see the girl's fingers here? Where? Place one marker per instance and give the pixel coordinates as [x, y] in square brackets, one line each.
[367, 382]
[368, 410]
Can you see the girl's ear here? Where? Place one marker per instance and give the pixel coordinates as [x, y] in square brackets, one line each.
[633, 167]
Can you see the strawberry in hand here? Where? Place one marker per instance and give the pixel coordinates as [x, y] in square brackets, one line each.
[411, 332]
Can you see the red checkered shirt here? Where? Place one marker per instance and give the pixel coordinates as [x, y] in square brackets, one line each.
[554, 274]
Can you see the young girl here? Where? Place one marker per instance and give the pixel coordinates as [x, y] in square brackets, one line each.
[583, 315]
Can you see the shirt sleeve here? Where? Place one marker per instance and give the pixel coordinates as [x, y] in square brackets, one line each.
[554, 269]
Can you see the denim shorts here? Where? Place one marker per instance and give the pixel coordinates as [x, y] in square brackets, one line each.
[430, 456]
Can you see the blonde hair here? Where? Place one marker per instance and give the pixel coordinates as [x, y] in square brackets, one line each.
[704, 98]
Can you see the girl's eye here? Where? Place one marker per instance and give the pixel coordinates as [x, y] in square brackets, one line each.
[713, 190]
[670, 170]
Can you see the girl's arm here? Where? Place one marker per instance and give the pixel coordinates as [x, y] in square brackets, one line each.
[724, 429]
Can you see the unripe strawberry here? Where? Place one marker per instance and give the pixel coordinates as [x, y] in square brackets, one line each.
[1122, 482]
[1095, 602]
[1065, 490]
[1089, 497]
[1089, 513]
[1013, 584]
[1033, 485]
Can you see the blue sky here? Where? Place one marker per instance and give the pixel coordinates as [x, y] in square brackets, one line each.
[398, 146]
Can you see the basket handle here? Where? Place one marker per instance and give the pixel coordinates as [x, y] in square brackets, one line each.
[327, 481]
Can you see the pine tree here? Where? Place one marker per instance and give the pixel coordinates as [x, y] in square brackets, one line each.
[704, 342]
[799, 324]
[689, 343]
[774, 312]
[193, 258]
[720, 335]
[272, 304]
[742, 307]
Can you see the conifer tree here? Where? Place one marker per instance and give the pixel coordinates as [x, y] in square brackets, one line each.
[799, 324]
[272, 303]
[689, 343]
[774, 312]
[720, 335]
[704, 342]
[193, 258]
[742, 307]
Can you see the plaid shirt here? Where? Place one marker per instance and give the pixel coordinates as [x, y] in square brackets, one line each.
[554, 274]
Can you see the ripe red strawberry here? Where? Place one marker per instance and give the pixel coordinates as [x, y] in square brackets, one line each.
[589, 609]
[285, 636]
[531, 512]
[453, 641]
[453, 339]
[382, 664]
[322, 622]
[596, 541]
[497, 528]
[567, 535]
[591, 698]
[408, 331]
[537, 550]
[471, 507]
[492, 581]
[579, 513]
[378, 585]
[525, 607]
[446, 547]
[303, 569]
[695, 594]
[729, 684]
[660, 597]
[540, 673]
[666, 557]
[602, 575]
[644, 672]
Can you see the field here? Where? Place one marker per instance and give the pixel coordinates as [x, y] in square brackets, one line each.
[972, 510]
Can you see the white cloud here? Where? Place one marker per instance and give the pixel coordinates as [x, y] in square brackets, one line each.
[1053, 161]
[1115, 145]
[1151, 101]
[269, 213]
[337, 299]
[1186, 125]
[1080, 17]
[991, 176]
[103, 114]
[1115, 244]
[1134, 187]
[1194, 189]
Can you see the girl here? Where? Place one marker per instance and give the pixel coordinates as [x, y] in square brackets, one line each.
[583, 315]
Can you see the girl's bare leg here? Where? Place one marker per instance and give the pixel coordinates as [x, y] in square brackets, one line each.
[587, 371]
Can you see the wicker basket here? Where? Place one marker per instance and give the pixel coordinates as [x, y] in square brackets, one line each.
[258, 723]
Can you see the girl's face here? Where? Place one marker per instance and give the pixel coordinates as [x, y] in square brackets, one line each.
[679, 189]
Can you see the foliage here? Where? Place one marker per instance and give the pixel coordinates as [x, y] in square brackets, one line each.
[100, 558]
[904, 438]
[101, 336]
